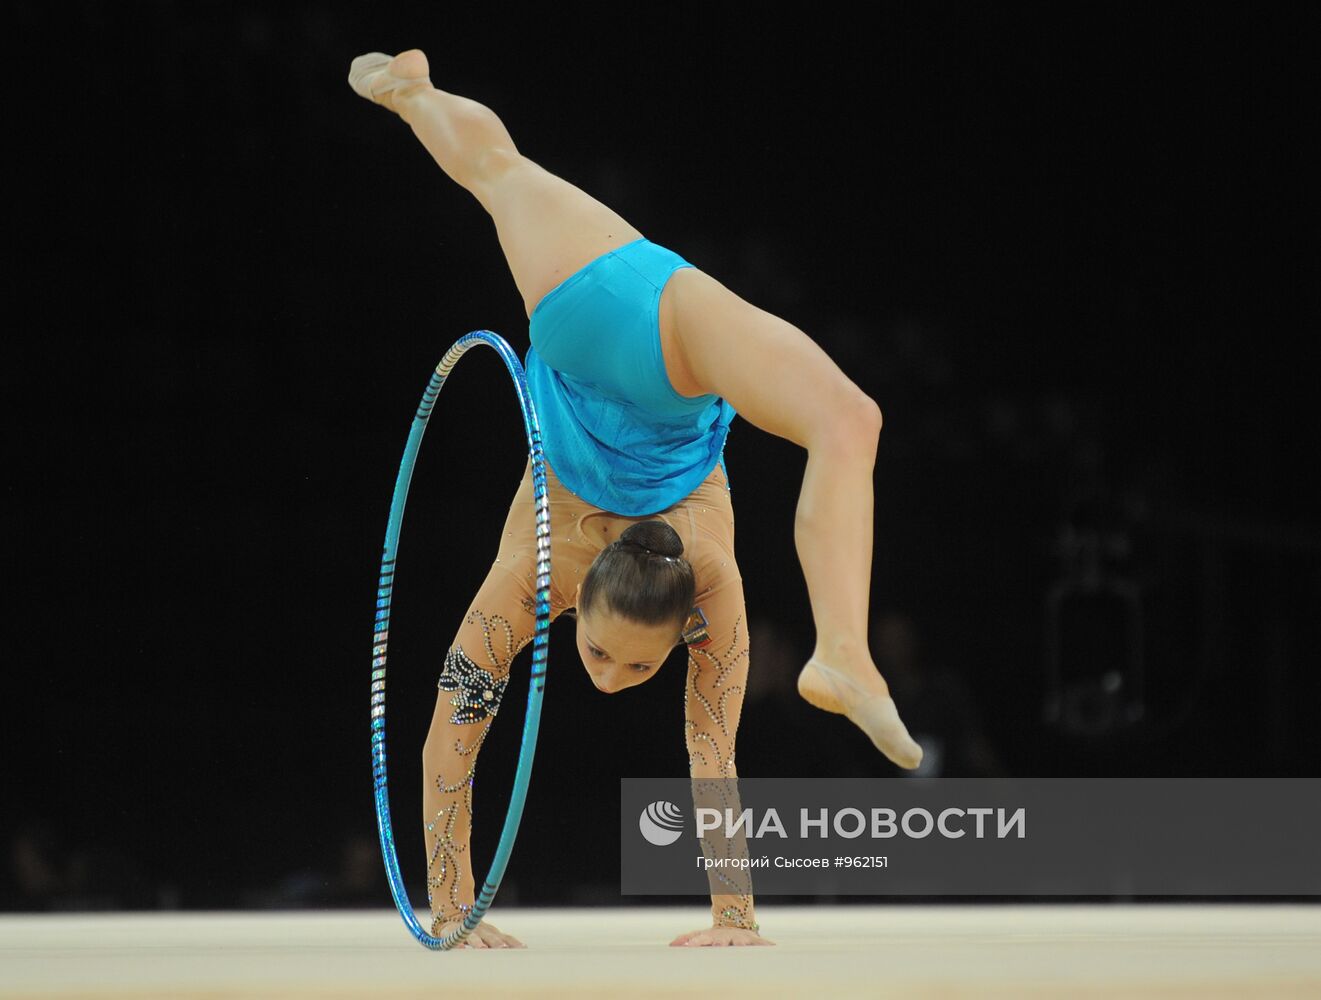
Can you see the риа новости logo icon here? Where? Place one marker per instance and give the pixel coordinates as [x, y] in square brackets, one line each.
[661, 823]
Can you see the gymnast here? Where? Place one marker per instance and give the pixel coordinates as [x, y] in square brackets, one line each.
[638, 363]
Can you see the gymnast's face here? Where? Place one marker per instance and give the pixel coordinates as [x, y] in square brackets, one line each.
[619, 653]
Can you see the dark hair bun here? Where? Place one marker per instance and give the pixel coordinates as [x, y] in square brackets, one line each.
[642, 577]
[653, 536]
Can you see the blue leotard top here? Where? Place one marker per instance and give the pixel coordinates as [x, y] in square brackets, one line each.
[613, 428]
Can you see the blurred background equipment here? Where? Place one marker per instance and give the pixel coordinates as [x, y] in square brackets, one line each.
[1094, 635]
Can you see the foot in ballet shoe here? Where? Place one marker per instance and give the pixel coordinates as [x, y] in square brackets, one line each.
[379, 77]
[875, 714]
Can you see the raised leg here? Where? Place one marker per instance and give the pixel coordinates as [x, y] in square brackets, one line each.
[782, 382]
[547, 227]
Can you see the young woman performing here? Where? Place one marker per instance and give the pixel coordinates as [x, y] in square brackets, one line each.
[638, 363]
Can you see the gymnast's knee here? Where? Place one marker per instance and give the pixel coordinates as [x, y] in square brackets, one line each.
[492, 164]
[872, 417]
[858, 418]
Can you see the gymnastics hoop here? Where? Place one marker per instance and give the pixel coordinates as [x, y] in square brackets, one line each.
[381, 634]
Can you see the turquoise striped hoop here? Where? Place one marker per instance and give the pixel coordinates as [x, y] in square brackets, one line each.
[381, 635]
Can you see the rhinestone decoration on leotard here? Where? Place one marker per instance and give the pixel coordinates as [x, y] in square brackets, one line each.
[709, 735]
[500, 661]
[477, 692]
[442, 918]
[556, 607]
[442, 870]
[470, 683]
[731, 885]
[701, 661]
[732, 916]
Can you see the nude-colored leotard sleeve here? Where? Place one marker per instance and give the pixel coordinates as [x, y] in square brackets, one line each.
[497, 626]
[717, 644]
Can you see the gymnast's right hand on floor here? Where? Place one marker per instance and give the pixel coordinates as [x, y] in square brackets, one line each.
[486, 935]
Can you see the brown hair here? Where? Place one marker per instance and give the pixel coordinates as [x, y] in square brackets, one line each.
[642, 576]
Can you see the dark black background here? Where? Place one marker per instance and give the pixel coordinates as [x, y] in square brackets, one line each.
[1071, 254]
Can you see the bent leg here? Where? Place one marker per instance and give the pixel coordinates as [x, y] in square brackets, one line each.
[783, 383]
[548, 228]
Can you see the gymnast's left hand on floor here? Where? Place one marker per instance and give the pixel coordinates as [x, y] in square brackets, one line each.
[719, 937]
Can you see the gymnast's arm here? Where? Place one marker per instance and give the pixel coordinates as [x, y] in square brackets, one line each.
[713, 702]
[500, 622]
